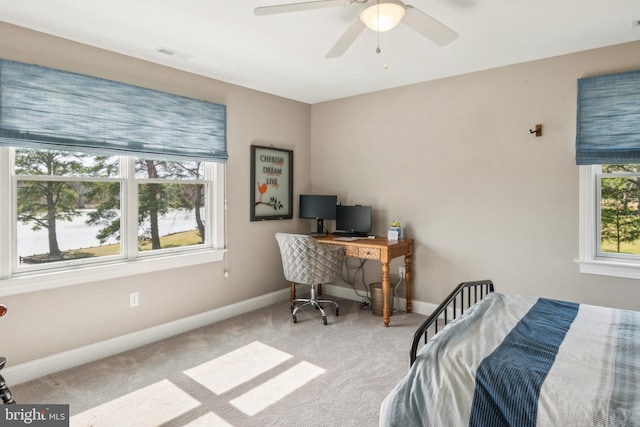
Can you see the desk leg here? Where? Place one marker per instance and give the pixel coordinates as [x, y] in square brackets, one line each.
[407, 278]
[386, 301]
[293, 291]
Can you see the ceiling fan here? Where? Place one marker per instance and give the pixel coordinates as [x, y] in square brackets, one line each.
[378, 15]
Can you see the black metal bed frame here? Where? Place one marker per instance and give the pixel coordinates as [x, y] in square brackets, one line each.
[455, 303]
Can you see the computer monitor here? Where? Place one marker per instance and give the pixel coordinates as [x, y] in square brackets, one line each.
[354, 220]
[318, 207]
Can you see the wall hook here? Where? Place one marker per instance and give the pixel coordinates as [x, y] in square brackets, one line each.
[537, 131]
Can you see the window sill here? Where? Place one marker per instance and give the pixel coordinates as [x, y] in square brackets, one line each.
[45, 281]
[629, 270]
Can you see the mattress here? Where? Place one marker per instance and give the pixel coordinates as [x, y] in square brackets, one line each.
[515, 360]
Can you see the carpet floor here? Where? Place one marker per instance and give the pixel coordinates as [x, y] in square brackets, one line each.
[256, 369]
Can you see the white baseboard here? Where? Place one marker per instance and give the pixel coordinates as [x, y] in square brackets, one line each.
[419, 307]
[58, 362]
[47, 365]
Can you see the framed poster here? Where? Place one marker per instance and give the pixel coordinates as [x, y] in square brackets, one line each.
[271, 183]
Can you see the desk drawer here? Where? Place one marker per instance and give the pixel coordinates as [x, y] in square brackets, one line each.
[351, 251]
[369, 253]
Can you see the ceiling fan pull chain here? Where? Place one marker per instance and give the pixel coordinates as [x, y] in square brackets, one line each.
[378, 32]
[386, 51]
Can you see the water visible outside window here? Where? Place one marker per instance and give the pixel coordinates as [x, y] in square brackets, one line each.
[76, 235]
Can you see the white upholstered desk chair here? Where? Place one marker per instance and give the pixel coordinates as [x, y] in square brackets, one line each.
[305, 261]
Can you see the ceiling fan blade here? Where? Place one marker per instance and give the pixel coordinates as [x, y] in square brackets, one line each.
[422, 23]
[296, 7]
[346, 40]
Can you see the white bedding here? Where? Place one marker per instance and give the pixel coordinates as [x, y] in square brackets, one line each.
[524, 361]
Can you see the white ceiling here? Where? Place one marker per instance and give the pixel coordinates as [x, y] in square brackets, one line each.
[285, 54]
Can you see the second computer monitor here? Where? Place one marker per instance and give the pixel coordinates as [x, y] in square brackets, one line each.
[354, 220]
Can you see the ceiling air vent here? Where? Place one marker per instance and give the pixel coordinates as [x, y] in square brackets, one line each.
[172, 52]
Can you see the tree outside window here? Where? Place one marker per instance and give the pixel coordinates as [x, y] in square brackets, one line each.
[71, 206]
[619, 213]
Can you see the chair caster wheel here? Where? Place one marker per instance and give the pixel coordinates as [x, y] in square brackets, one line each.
[324, 320]
[295, 319]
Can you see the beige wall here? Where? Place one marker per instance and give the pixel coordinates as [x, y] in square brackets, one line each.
[454, 162]
[45, 323]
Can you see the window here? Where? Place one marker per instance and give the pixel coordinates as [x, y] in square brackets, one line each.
[58, 198]
[608, 155]
[171, 204]
[83, 186]
[610, 220]
[619, 217]
[73, 210]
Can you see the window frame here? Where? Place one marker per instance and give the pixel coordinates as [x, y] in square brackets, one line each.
[132, 262]
[591, 261]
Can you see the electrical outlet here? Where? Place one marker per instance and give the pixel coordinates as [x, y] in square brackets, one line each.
[402, 271]
[134, 299]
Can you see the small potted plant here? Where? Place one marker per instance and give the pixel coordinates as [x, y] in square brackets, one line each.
[395, 228]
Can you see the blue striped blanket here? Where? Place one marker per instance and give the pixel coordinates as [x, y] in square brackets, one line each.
[524, 361]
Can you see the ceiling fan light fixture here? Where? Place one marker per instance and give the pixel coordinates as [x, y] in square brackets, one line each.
[382, 15]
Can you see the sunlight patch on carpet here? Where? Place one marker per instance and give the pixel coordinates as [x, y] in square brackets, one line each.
[155, 404]
[237, 367]
[208, 420]
[276, 388]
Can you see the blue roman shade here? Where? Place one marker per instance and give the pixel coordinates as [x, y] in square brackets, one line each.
[608, 121]
[51, 109]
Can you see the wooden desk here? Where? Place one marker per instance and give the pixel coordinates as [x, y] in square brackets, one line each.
[383, 250]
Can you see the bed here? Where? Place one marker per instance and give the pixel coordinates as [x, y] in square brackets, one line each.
[509, 360]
